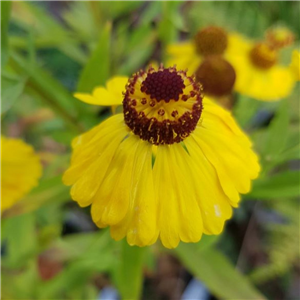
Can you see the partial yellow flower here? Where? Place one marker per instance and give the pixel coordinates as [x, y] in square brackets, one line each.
[21, 170]
[171, 166]
[258, 73]
[295, 64]
[205, 57]
[279, 37]
[211, 40]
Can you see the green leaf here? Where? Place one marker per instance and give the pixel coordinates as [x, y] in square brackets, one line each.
[245, 109]
[97, 69]
[87, 254]
[48, 31]
[139, 47]
[170, 22]
[285, 184]
[78, 17]
[130, 277]
[20, 235]
[217, 273]
[118, 8]
[277, 133]
[51, 91]
[5, 15]
[289, 154]
[11, 91]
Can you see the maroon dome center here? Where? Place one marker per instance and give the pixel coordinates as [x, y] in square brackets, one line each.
[163, 85]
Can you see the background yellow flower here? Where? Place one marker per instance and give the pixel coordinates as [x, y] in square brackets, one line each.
[20, 170]
[259, 73]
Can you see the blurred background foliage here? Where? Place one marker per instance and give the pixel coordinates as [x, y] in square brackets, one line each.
[50, 247]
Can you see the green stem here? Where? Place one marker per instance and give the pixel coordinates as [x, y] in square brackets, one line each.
[130, 275]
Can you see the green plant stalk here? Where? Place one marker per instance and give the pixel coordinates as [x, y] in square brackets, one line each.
[130, 277]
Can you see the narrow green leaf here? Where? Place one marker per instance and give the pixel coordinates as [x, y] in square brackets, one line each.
[130, 277]
[11, 90]
[119, 8]
[5, 15]
[52, 91]
[48, 31]
[171, 20]
[289, 154]
[277, 132]
[285, 184]
[138, 49]
[152, 11]
[97, 69]
[217, 273]
[78, 17]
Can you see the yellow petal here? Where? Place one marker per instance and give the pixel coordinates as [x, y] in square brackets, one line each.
[185, 48]
[117, 85]
[91, 160]
[111, 202]
[228, 150]
[213, 202]
[220, 118]
[140, 223]
[87, 98]
[109, 96]
[184, 56]
[88, 146]
[179, 216]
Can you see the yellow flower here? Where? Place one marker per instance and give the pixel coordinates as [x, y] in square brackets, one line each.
[258, 73]
[171, 166]
[21, 169]
[279, 37]
[205, 56]
[189, 55]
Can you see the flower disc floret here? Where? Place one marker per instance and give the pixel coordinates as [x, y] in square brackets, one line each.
[211, 40]
[216, 75]
[279, 37]
[162, 106]
[263, 56]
